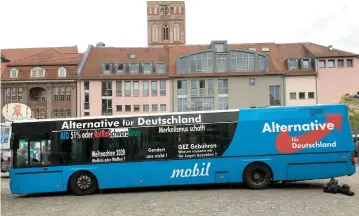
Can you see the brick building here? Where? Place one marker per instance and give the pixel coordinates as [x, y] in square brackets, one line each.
[43, 79]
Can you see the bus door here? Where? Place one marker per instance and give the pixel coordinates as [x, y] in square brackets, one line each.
[32, 164]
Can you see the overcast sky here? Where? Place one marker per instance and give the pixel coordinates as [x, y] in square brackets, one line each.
[122, 23]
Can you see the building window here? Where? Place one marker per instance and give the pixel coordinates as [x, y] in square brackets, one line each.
[145, 88]
[223, 86]
[154, 33]
[292, 64]
[14, 73]
[118, 88]
[61, 113]
[119, 108]
[68, 113]
[322, 63]
[86, 85]
[293, 95]
[183, 65]
[56, 94]
[154, 107]
[163, 107]
[127, 88]
[223, 103]
[7, 95]
[202, 87]
[136, 88]
[62, 94]
[106, 88]
[311, 95]
[128, 108]
[202, 103]
[162, 87]
[242, 61]
[120, 68]
[181, 87]
[86, 113]
[274, 96]
[182, 104]
[202, 62]
[221, 63]
[210, 87]
[301, 95]
[68, 93]
[87, 100]
[305, 64]
[154, 88]
[219, 47]
[165, 32]
[61, 72]
[136, 108]
[252, 81]
[331, 63]
[349, 62]
[262, 62]
[13, 94]
[106, 68]
[106, 106]
[133, 68]
[55, 114]
[146, 108]
[194, 87]
[37, 72]
[176, 31]
[147, 68]
[19, 94]
[340, 63]
[160, 68]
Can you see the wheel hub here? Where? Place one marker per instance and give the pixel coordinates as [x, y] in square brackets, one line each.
[84, 182]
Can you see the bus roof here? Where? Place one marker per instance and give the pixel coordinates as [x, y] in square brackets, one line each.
[170, 113]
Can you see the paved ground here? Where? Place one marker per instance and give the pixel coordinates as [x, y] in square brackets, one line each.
[295, 199]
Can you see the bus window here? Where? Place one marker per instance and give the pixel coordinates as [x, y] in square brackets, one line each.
[33, 153]
[22, 154]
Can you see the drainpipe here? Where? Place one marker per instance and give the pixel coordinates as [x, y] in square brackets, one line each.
[316, 81]
[284, 90]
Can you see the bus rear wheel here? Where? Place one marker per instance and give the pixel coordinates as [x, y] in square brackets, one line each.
[83, 183]
[257, 176]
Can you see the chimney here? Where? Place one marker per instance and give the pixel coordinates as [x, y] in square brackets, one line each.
[330, 47]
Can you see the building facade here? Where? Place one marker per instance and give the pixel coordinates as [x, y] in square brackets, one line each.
[121, 81]
[45, 82]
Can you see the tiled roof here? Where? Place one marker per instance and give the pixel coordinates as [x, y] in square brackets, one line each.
[48, 57]
[322, 51]
[98, 55]
[21, 53]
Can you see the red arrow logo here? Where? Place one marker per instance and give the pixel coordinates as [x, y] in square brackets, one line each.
[284, 140]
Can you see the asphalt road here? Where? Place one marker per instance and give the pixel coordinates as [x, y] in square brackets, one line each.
[303, 198]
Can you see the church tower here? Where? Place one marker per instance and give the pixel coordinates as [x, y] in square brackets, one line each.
[166, 23]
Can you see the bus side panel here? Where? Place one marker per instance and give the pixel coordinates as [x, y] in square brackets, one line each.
[205, 171]
[33, 180]
[258, 133]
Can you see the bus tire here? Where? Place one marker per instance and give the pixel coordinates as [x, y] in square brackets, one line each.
[83, 183]
[257, 176]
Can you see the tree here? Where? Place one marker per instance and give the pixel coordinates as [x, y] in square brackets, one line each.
[352, 101]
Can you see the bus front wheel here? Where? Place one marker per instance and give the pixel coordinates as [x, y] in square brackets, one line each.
[257, 176]
[83, 183]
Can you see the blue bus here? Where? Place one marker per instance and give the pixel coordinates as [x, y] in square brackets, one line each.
[255, 146]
